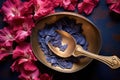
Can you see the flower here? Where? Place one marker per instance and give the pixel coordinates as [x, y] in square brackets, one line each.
[6, 37]
[24, 51]
[69, 4]
[114, 5]
[13, 10]
[5, 52]
[23, 30]
[45, 76]
[87, 6]
[25, 64]
[30, 76]
[24, 59]
[42, 8]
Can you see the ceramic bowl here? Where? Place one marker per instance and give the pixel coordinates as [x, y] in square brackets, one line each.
[90, 32]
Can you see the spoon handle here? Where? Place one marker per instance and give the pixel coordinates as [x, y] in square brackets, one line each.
[111, 61]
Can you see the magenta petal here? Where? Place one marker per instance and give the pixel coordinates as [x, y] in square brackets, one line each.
[115, 7]
[80, 7]
[45, 77]
[30, 76]
[29, 66]
[21, 35]
[23, 60]
[88, 9]
[15, 66]
[42, 8]
[87, 6]
[24, 51]
[3, 56]
[6, 38]
[112, 1]
[66, 3]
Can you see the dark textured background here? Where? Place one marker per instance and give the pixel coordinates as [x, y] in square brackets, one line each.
[109, 25]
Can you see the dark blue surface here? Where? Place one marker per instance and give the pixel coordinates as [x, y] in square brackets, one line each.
[109, 26]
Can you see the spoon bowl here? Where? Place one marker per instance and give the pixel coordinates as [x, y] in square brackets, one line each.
[66, 39]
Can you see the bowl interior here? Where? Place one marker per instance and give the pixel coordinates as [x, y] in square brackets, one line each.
[90, 32]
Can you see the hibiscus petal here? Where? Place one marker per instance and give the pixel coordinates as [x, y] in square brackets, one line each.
[30, 76]
[111, 1]
[29, 66]
[24, 51]
[115, 7]
[42, 8]
[3, 56]
[45, 76]
[11, 9]
[21, 35]
[6, 38]
[87, 6]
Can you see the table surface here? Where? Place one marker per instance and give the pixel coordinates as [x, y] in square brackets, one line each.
[109, 26]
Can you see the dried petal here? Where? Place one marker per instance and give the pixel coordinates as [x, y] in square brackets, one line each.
[114, 5]
[42, 8]
[24, 50]
[5, 52]
[13, 10]
[31, 76]
[6, 38]
[45, 77]
[87, 6]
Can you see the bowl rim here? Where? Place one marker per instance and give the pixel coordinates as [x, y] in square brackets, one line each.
[73, 14]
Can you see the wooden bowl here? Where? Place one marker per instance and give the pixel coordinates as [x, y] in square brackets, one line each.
[90, 31]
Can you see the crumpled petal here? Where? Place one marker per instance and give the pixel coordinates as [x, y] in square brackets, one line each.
[5, 52]
[23, 30]
[87, 6]
[31, 76]
[114, 5]
[6, 37]
[24, 50]
[45, 76]
[21, 35]
[23, 24]
[42, 8]
[13, 10]
[23, 65]
[112, 1]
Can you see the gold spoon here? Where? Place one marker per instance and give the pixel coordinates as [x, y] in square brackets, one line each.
[77, 50]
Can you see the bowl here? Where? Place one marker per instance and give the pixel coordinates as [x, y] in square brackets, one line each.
[90, 31]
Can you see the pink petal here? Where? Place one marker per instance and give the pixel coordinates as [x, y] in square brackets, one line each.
[72, 6]
[29, 66]
[25, 24]
[21, 35]
[11, 9]
[115, 7]
[31, 76]
[3, 56]
[6, 38]
[66, 3]
[87, 6]
[45, 77]
[42, 8]
[112, 1]
[15, 66]
[57, 3]
[24, 51]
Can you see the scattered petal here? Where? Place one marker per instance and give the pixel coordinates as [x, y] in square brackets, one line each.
[87, 6]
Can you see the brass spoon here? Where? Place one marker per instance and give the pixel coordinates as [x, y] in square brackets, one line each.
[77, 50]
